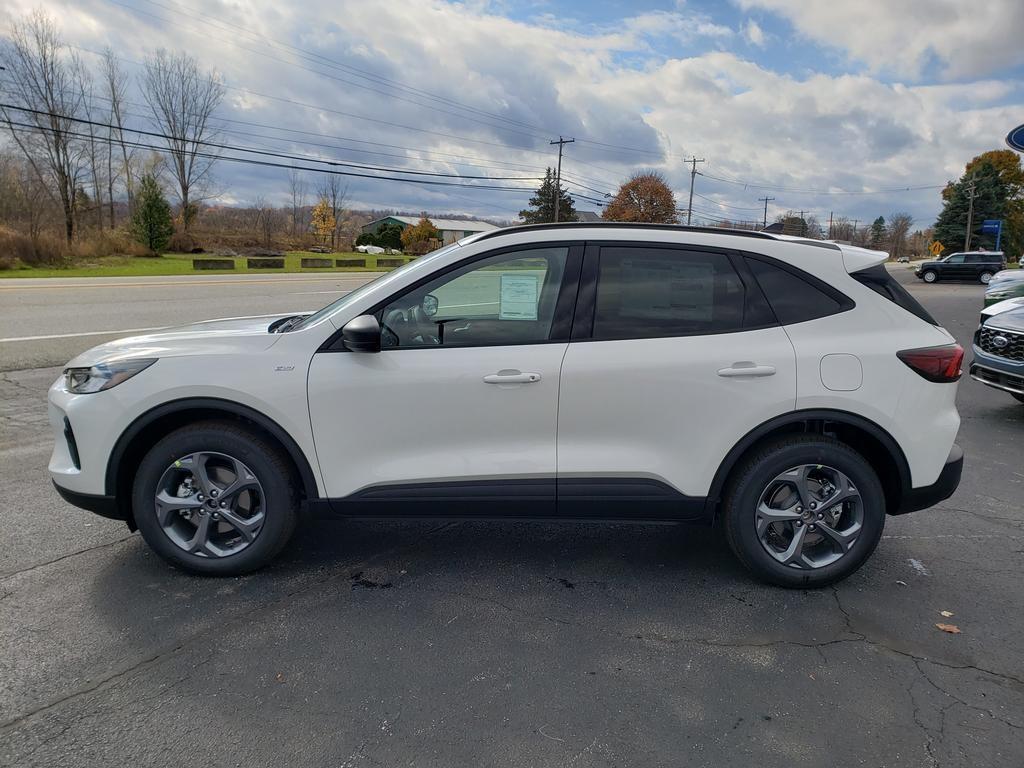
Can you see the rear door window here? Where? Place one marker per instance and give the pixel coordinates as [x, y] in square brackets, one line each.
[655, 292]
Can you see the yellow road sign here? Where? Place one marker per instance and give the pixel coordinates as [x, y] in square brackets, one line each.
[936, 248]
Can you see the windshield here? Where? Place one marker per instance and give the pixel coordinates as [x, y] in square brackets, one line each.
[361, 291]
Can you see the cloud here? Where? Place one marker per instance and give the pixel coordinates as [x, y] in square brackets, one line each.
[968, 39]
[753, 33]
[445, 87]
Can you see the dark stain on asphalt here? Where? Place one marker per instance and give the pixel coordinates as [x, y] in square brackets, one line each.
[564, 582]
[359, 581]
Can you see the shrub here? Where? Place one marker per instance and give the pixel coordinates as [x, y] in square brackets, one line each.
[367, 238]
[182, 242]
[41, 251]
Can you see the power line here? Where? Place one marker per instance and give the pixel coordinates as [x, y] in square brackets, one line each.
[778, 188]
[282, 155]
[30, 128]
[325, 61]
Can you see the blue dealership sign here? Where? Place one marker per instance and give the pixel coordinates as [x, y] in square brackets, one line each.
[993, 227]
[1015, 138]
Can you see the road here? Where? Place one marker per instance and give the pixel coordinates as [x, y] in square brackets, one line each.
[46, 321]
[504, 644]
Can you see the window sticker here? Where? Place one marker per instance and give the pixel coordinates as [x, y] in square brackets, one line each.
[518, 297]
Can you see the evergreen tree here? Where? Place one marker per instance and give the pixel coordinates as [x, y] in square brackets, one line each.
[151, 222]
[991, 201]
[877, 237]
[543, 203]
[390, 236]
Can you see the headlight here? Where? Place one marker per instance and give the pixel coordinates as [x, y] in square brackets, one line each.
[82, 381]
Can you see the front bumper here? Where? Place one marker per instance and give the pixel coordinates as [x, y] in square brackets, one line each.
[104, 506]
[997, 372]
[940, 490]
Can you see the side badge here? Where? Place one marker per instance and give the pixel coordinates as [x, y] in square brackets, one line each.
[285, 368]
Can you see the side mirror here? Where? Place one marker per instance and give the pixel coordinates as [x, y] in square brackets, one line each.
[362, 334]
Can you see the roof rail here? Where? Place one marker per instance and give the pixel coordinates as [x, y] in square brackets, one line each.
[620, 225]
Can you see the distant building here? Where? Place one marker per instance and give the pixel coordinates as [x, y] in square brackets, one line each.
[588, 216]
[450, 229]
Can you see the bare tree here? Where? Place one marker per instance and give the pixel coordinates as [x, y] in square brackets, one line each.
[41, 76]
[116, 85]
[331, 190]
[899, 227]
[297, 186]
[182, 99]
[266, 219]
[91, 132]
[842, 229]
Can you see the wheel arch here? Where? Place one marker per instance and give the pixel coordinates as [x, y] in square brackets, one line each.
[873, 442]
[144, 432]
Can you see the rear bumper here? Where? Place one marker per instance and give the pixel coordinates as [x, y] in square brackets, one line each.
[940, 490]
[104, 506]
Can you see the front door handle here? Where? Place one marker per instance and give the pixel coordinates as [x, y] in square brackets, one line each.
[746, 368]
[511, 376]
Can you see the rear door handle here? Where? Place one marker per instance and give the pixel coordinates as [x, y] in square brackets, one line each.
[511, 376]
[746, 368]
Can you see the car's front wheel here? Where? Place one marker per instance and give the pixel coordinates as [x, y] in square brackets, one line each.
[930, 276]
[805, 511]
[213, 498]
[985, 278]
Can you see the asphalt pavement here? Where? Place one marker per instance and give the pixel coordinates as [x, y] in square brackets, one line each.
[496, 644]
[46, 321]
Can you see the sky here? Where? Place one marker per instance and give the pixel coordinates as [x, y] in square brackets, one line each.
[857, 107]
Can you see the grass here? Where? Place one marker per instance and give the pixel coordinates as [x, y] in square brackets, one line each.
[181, 264]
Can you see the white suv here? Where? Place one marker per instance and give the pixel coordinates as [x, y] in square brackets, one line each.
[789, 388]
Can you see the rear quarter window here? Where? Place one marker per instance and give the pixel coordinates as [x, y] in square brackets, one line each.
[795, 296]
[879, 280]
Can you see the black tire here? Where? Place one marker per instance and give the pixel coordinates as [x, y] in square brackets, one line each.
[985, 277]
[930, 273]
[754, 475]
[267, 464]
[1018, 398]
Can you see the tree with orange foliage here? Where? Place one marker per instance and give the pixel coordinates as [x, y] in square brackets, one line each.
[416, 239]
[645, 197]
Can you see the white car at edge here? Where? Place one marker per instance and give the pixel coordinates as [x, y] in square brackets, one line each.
[790, 388]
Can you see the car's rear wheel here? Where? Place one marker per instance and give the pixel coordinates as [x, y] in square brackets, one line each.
[930, 276]
[985, 278]
[805, 511]
[215, 499]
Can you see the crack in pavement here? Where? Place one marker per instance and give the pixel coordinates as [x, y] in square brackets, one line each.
[338, 572]
[8, 576]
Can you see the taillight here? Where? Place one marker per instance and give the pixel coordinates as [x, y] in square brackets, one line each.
[940, 364]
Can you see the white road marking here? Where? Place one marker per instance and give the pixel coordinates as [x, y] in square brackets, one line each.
[918, 566]
[83, 333]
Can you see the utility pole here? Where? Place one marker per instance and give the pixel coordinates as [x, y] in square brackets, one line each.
[803, 225]
[766, 199]
[830, 225]
[558, 174]
[971, 194]
[693, 175]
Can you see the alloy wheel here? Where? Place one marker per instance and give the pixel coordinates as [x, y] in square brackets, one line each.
[210, 504]
[809, 516]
